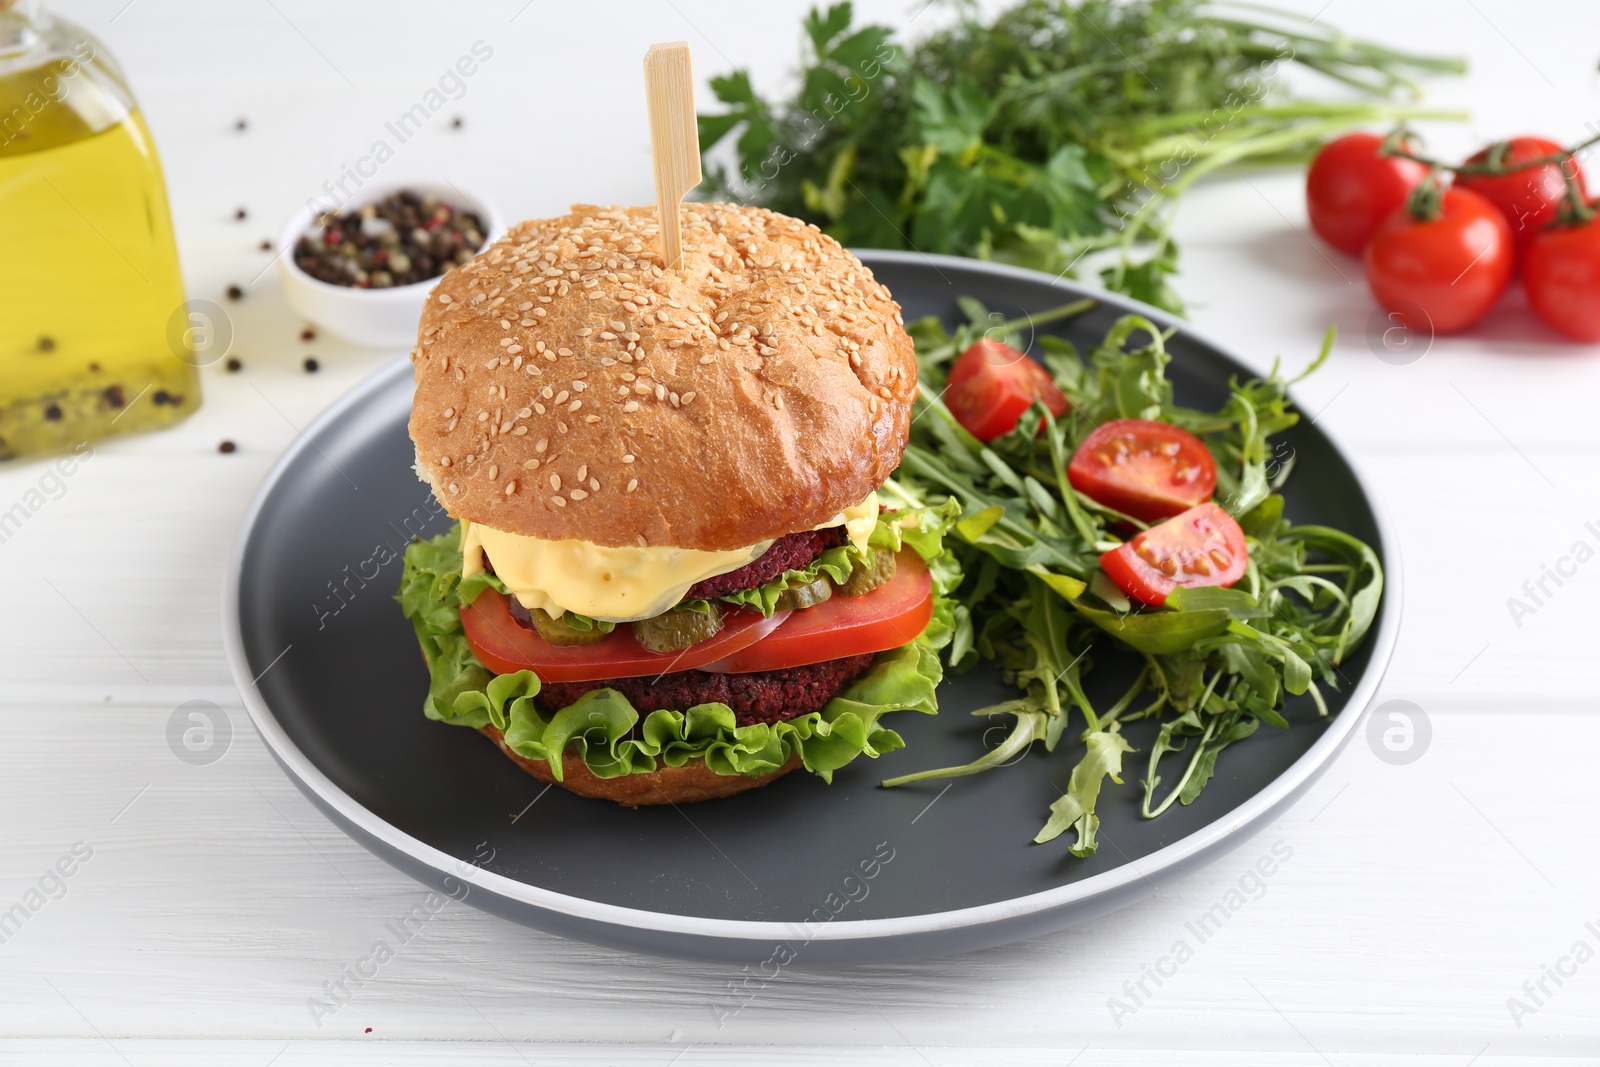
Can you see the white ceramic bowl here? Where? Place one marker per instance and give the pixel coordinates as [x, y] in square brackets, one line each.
[380, 318]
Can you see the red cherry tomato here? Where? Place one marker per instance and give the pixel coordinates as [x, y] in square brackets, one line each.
[1351, 189]
[505, 646]
[1562, 275]
[890, 616]
[1149, 470]
[1529, 199]
[992, 384]
[1453, 267]
[1203, 546]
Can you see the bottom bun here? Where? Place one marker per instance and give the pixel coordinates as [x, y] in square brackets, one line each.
[666, 785]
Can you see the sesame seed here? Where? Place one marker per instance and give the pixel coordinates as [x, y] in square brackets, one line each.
[633, 483]
[632, 405]
[578, 494]
[583, 472]
[530, 465]
[519, 431]
[661, 391]
[451, 425]
[627, 376]
[483, 416]
[594, 483]
[539, 408]
[607, 335]
[505, 427]
[591, 418]
[688, 396]
[507, 342]
[544, 442]
[561, 397]
[511, 487]
[494, 470]
[444, 461]
[628, 458]
[454, 488]
[555, 481]
[449, 412]
[558, 501]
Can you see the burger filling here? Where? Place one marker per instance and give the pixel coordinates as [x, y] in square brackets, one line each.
[570, 591]
[760, 696]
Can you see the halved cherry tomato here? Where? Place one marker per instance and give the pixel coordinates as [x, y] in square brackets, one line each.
[1149, 470]
[504, 646]
[1453, 267]
[890, 616]
[992, 384]
[1203, 546]
[1561, 272]
[1529, 199]
[1351, 189]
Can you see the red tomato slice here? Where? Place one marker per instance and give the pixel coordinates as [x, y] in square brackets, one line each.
[992, 384]
[504, 645]
[891, 615]
[1203, 546]
[1145, 469]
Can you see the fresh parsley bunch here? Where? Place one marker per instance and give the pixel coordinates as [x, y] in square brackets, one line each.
[1052, 132]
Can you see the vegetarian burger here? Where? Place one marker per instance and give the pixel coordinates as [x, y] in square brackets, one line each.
[680, 567]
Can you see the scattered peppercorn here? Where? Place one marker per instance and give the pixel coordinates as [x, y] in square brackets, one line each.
[47, 343]
[266, 246]
[53, 412]
[240, 214]
[234, 365]
[115, 396]
[241, 125]
[311, 365]
[456, 123]
[403, 239]
[227, 446]
[235, 293]
[161, 396]
[308, 334]
[94, 368]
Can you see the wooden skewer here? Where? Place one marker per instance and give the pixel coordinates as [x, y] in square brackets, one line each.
[674, 137]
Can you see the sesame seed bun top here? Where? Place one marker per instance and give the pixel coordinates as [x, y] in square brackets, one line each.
[569, 387]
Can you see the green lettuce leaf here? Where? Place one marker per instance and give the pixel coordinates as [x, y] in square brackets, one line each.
[609, 733]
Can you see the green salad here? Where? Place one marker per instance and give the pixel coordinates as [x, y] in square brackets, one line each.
[1038, 600]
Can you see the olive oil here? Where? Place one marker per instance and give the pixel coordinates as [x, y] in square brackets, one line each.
[95, 336]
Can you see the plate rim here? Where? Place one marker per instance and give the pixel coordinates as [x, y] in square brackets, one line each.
[1104, 885]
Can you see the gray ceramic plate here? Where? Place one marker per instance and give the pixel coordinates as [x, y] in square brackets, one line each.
[798, 870]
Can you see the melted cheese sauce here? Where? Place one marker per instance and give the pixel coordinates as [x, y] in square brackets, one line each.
[617, 584]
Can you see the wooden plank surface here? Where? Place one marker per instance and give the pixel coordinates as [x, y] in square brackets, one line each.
[215, 902]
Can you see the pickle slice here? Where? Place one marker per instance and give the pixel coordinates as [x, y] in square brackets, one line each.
[870, 573]
[555, 629]
[673, 631]
[805, 596]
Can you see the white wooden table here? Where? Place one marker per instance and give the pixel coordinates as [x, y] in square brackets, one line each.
[215, 901]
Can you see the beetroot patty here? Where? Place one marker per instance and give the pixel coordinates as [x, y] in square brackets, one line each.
[761, 696]
[791, 552]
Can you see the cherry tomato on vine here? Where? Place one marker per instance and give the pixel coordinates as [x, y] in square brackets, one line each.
[1351, 189]
[1561, 271]
[1529, 199]
[992, 384]
[1454, 266]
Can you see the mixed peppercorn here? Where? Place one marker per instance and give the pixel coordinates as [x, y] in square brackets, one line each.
[401, 239]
